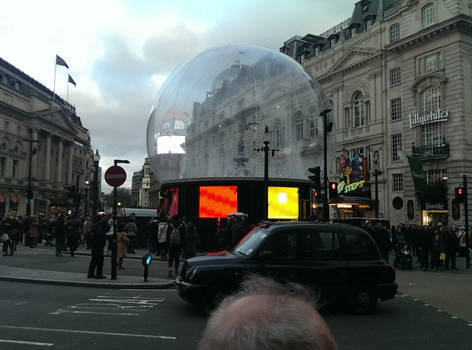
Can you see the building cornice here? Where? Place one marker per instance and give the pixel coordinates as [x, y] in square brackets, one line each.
[460, 22]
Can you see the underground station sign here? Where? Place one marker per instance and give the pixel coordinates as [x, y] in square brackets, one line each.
[115, 176]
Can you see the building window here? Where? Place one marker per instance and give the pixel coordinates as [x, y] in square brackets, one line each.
[15, 168]
[433, 176]
[298, 126]
[359, 115]
[395, 76]
[397, 183]
[430, 63]
[346, 117]
[396, 147]
[353, 32]
[430, 99]
[278, 132]
[431, 134]
[394, 33]
[396, 108]
[428, 16]
[3, 166]
[313, 129]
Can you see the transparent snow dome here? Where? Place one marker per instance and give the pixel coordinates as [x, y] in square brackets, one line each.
[212, 115]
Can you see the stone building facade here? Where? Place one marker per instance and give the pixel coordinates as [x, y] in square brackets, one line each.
[141, 186]
[42, 142]
[398, 76]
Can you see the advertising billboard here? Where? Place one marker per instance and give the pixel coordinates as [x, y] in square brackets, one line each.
[354, 177]
[283, 202]
[217, 201]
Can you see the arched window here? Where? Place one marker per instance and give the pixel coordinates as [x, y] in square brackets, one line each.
[278, 132]
[358, 110]
[428, 15]
[431, 101]
[346, 117]
[394, 32]
[298, 126]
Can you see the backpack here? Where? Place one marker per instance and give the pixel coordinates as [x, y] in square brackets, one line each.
[174, 238]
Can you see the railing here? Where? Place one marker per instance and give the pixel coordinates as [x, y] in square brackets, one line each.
[437, 151]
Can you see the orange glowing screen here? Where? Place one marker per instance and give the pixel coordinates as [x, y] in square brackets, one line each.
[218, 201]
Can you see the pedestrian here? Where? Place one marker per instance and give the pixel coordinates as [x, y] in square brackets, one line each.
[72, 232]
[175, 239]
[464, 250]
[266, 315]
[98, 240]
[122, 245]
[131, 231]
[87, 229]
[221, 238]
[9, 228]
[162, 246]
[451, 246]
[191, 240]
[59, 232]
[382, 238]
[437, 250]
[33, 233]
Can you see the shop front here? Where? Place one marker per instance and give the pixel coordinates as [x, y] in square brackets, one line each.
[434, 213]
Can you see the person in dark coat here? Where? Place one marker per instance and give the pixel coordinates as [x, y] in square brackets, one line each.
[98, 240]
[451, 245]
[382, 238]
[175, 243]
[191, 240]
[60, 234]
[437, 249]
[73, 225]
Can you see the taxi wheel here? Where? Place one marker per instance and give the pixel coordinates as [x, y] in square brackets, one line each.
[363, 302]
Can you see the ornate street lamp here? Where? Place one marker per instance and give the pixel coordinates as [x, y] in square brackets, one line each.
[96, 160]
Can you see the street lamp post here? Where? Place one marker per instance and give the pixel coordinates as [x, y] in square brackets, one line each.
[266, 150]
[376, 175]
[114, 239]
[96, 160]
[86, 188]
[29, 190]
[324, 115]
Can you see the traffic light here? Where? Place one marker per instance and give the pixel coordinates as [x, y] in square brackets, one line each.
[333, 190]
[316, 177]
[459, 194]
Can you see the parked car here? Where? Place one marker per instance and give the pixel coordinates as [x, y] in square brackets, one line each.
[341, 262]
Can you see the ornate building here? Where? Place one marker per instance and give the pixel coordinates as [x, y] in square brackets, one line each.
[43, 146]
[398, 74]
[141, 186]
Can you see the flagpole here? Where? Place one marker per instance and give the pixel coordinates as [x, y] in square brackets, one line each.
[54, 89]
[67, 89]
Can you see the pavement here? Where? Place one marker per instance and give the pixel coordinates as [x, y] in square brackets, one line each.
[41, 265]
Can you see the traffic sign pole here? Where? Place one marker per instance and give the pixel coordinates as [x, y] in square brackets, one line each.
[115, 176]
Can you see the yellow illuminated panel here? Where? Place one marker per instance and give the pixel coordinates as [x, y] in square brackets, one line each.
[283, 203]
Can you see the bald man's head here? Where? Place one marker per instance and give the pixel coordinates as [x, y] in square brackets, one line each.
[266, 315]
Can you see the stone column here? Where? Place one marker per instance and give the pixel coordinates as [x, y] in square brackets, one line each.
[34, 158]
[69, 163]
[47, 158]
[59, 177]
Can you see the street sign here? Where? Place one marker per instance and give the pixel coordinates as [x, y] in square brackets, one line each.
[115, 176]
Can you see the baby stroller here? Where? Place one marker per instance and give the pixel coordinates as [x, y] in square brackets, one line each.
[403, 256]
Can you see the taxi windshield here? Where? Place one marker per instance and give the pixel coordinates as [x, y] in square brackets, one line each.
[252, 240]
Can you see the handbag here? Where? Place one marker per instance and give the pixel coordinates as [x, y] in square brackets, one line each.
[442, 256]
[4, 237]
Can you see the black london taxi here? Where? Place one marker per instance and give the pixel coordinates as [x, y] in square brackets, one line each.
[340, 262]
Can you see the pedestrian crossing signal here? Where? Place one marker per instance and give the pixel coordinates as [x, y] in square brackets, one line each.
[333, 190]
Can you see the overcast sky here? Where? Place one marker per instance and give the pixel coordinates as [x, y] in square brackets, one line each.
[120, 51]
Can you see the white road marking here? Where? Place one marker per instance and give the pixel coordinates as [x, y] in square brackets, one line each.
[65, 311]
[91, 332]
[22, 342]
[454, 317]
[426, 304]
[21, 303]
[151, 290]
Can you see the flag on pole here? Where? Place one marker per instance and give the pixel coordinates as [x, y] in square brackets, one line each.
[72, 81]
[61, 62]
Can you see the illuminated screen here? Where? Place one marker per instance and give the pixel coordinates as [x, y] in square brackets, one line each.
[218, 201]
[170, 144]
[174, 204]
[283, 203]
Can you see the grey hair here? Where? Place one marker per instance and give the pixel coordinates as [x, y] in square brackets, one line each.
[280, 324]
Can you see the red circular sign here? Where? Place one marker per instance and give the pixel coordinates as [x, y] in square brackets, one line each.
[115, 176]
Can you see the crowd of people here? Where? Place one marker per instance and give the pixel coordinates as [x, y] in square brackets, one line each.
[434, 247]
